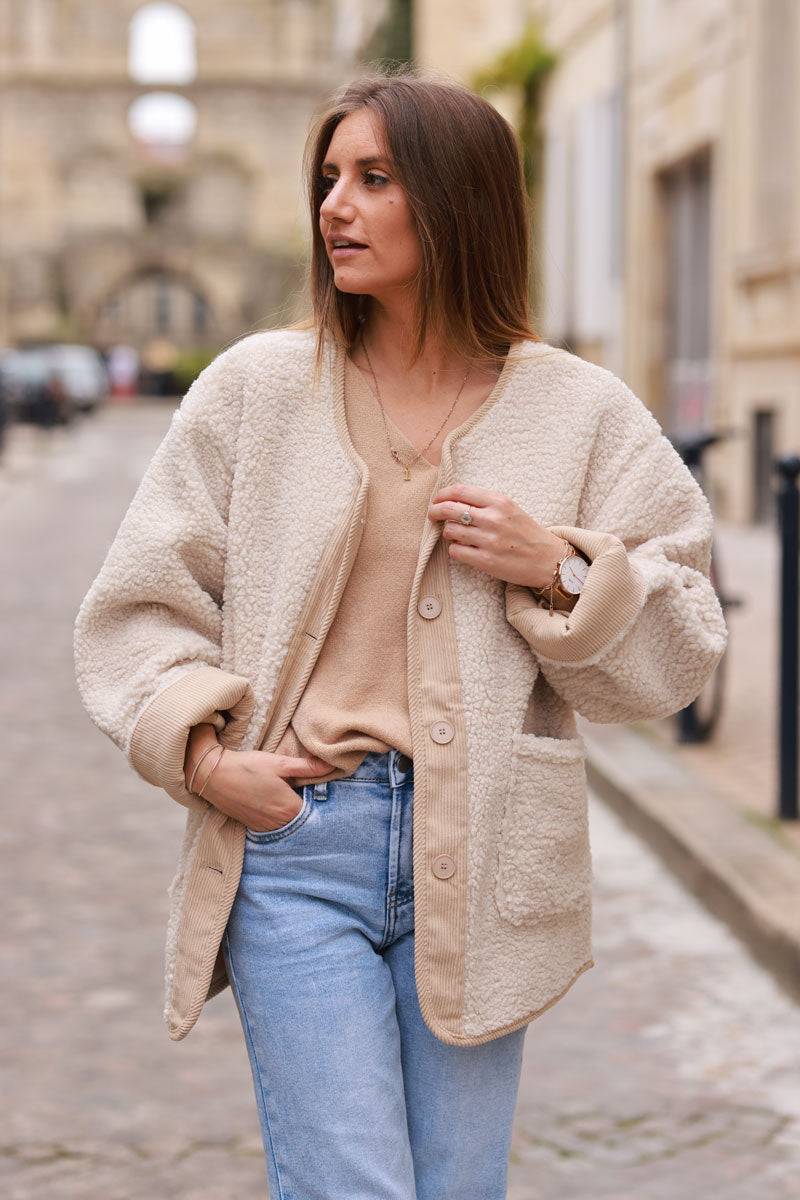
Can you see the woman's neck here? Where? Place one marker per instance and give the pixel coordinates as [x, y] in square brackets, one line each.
[391, 343]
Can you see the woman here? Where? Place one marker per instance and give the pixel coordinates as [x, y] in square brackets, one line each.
[377, 565]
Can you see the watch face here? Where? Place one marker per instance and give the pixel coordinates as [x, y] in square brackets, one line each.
[573, 574]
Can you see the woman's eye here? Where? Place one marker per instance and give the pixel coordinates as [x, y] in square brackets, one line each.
[326, 182]
[371, 179]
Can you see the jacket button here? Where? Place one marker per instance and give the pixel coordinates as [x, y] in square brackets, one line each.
[443, 866]
[429, 607]
[442, 732]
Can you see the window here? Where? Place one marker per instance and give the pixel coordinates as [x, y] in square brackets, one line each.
[581, 226]
[686, 196]
[162, 119]
[161, 48]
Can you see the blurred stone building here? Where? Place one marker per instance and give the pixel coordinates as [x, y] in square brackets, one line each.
[669, 238]
[150, 159]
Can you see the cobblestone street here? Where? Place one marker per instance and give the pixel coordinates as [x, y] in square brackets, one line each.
[671, 1070]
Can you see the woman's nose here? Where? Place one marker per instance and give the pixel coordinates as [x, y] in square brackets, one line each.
[337, 204]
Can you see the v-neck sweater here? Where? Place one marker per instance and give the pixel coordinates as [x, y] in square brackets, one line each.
[356, 699]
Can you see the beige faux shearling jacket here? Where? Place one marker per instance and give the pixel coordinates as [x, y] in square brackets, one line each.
[223, 580]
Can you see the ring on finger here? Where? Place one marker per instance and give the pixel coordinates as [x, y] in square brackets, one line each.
[466, 516]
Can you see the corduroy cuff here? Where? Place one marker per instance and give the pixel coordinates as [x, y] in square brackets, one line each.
[158, 744]
[612, 596]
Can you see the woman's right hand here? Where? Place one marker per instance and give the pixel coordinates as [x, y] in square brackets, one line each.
[250, 785]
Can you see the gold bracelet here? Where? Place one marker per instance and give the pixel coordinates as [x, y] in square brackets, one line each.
[548, 587]
[213, 769]
[207, 750]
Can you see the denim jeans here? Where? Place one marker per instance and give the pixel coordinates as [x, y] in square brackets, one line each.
[357, 1098]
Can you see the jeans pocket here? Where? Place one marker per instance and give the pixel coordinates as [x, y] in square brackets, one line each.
[544, 866]
[263, 836]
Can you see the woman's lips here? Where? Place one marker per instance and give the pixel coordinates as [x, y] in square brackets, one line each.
[348, 251]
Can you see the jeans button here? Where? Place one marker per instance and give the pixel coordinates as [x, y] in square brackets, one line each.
[404, 763]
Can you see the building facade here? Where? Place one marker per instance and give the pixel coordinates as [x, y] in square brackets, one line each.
[194, 234]
[669, 239]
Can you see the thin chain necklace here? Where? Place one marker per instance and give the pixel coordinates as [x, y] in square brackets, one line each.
[392, 450]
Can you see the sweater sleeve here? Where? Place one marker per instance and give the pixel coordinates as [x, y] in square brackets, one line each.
[648, 629]
[148, 634]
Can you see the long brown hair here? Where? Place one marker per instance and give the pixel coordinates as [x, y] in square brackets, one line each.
[459, 164]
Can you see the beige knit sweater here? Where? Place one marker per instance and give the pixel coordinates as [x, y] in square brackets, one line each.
[356, 699]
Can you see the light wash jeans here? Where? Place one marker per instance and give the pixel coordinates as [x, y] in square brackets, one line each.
[357, 1098]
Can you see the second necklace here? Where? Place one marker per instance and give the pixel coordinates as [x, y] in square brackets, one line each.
[392, 450]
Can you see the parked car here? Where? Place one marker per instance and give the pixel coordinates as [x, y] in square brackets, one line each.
[47, 384]
[83, 372]
[24, 376]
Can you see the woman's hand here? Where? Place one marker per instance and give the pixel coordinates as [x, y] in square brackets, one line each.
[501, 539]
[249, 785]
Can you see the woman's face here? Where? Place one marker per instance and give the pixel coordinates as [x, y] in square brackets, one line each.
[365, 218]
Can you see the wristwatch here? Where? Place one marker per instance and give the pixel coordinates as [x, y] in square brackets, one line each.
[568, 578]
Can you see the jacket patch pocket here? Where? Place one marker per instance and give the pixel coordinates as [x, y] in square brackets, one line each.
[545, 864]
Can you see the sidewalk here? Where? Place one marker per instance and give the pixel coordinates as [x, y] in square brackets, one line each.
[709, 810]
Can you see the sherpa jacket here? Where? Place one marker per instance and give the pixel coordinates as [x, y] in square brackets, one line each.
[218, 591]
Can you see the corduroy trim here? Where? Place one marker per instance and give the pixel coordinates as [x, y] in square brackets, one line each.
[612, 596]
[158, 743]
[440, 771]
[195, 820]
[326, 590]
[212, 883]
[441, 816]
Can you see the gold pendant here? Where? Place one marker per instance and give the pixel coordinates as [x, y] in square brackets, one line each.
[406, 470]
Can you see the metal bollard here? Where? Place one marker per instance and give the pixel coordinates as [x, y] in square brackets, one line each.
[788, 469]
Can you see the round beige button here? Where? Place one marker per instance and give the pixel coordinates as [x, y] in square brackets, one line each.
[442, 732]
[429, 607]
[443, 866]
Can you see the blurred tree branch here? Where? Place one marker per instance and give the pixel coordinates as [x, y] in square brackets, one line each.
[392, 44]
[523, 68]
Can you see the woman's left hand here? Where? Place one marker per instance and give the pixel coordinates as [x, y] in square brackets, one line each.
[501, 539]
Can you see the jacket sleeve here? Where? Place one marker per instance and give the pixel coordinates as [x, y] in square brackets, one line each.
[648, 629]
[148, 634]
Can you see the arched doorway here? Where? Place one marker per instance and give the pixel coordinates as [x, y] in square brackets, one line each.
[157, 303]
